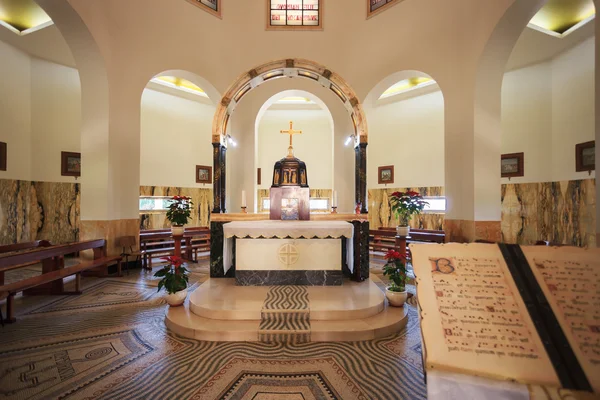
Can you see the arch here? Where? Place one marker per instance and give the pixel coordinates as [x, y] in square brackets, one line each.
[286, 93]
[213, 94]
[300, 68]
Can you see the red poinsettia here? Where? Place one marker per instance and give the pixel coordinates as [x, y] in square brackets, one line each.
[175, 261]
[393, 255]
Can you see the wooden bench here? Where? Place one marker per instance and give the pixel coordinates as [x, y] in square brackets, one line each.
[160, 243]
[53, 270]
[384, 239]
[17, 247]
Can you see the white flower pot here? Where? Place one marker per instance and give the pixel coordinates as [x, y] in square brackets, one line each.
[176, 299]
[177, 230]
[396, 299]
[402, 230]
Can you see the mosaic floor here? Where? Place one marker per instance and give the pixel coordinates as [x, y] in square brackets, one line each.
[111, 343]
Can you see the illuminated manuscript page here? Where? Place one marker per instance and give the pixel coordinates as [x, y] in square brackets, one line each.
[473, 318]
[570, 280]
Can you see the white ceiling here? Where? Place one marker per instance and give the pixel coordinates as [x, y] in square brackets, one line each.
[531, 48]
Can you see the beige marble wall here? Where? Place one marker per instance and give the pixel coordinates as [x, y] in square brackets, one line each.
[39, 210]
[318, 193]
[560, 212]
[380, 211]
[201, 197]
[109, 230]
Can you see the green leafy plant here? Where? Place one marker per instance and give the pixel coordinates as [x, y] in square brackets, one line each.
[406, 204]
[174, 275]
[180, 210]
[395, 270]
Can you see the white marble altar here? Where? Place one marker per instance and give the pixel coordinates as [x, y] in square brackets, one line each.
[288, 252]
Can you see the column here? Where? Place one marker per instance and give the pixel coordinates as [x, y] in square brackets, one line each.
[219, 179]
[217, 171]
[360, 183]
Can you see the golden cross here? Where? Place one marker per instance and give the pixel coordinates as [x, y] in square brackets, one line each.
[291, 132]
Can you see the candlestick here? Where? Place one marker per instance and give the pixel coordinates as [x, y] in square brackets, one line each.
[243, 199]
[244, 210]
[334, 210]
[335, 199]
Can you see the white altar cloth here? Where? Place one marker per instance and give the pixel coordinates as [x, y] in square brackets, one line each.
[284, 229]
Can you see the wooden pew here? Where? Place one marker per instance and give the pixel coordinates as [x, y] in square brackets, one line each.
[160, 243]
[384, 239]
[12, 248]
[53, 270]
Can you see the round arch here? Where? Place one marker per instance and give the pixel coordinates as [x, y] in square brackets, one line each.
[289, 68]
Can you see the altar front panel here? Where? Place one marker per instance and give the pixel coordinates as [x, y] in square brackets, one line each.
[288, 254]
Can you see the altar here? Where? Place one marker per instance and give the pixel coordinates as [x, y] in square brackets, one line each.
[275, 252]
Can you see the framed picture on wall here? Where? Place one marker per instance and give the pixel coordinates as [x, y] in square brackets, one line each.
[512, 165]
[70, 163]
[2, 156]
[585, 156]
[385, 175]
[210, 6]
[203, 174]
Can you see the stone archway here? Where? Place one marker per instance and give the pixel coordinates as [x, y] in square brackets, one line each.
[288, 68]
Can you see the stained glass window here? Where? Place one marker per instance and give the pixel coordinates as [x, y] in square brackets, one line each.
[294, 14]
[375, 6]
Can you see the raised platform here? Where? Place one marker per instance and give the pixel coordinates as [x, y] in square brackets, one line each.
[221, 311]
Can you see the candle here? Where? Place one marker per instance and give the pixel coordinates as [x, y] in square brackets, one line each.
[243, 198]
[335, 199]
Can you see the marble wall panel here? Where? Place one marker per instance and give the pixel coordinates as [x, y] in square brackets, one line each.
[201, 197]
[559, 212]
[39, 210]
[380, 211]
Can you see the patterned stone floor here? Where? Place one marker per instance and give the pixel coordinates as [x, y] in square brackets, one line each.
[111, 343]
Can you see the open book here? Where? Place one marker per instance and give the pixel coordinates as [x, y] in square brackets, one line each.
[529, 314]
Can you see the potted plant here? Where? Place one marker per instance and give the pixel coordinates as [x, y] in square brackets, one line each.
[174, 280]
[405, 205]
[179, 213]
[395, 270]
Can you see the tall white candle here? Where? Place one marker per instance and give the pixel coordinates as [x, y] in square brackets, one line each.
[243, 198]
[335, 198]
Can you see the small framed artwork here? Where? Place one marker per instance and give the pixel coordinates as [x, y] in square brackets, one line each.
[70, 163]
[203, 174]
[386, 175]
[2, 156]
[511, 165]
[585, 156]
[210, 6]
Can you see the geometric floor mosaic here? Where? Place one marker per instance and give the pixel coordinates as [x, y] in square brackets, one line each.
[111, 343]
[103, 293]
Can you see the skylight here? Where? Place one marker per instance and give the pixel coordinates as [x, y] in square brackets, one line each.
[406, 85]
[561, 17]
[179, 84]
[23, 16]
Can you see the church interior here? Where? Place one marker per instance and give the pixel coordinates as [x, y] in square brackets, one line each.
[299, 199]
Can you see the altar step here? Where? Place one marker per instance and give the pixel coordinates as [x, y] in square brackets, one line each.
[220, 311]
[285, 317]
[185, 323]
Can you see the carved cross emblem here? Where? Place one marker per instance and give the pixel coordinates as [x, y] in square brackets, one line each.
[288, 254]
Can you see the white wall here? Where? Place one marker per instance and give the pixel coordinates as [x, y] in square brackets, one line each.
[15, 111]
[313, 146]
[175, 137]
[408, 134]
[527, 120]
[547, 109]
[573, 108]
[55, 118]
